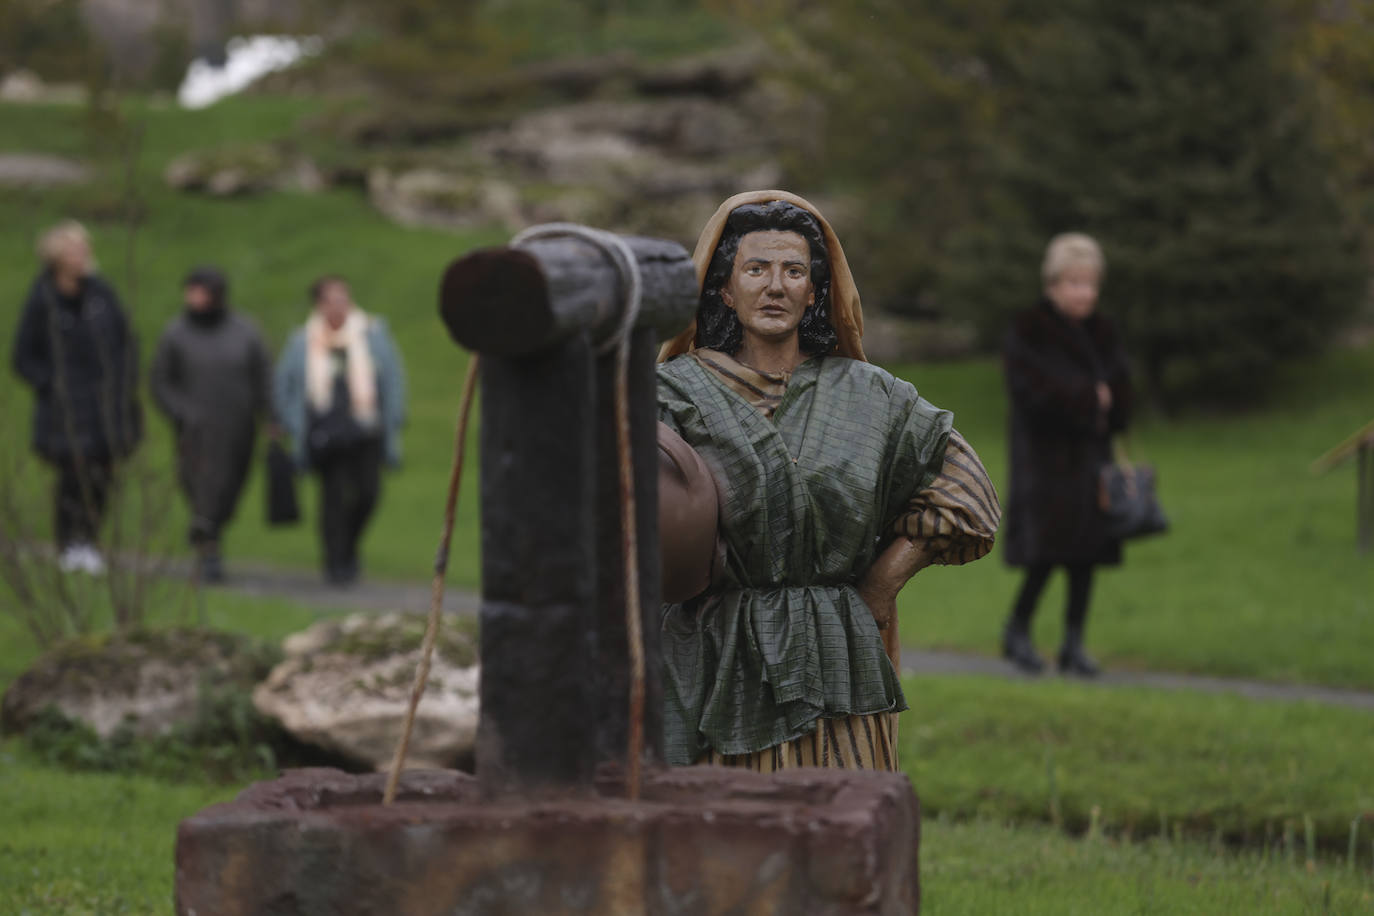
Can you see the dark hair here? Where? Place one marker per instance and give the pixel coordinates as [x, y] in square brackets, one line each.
[718, 328]
[318, 287]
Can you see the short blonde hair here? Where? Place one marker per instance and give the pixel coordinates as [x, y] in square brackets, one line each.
[51, 242]
[1071, 249]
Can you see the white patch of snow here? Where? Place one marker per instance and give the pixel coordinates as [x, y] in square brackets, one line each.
[248, 59]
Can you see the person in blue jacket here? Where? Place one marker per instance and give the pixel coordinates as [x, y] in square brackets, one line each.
[340, 394]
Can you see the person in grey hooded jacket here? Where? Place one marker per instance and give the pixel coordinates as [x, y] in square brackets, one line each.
[212, 377]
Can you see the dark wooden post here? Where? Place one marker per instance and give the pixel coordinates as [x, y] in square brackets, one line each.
[555, 669]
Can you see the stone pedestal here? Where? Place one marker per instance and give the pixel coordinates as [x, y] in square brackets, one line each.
[702, 840]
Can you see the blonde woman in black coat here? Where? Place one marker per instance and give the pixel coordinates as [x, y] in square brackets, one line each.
[1070, 391]
[76, 349]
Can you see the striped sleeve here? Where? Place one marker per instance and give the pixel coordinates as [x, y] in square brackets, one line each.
[957, 514]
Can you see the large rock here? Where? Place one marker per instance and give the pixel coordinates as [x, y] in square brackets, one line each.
[721, 74]
[39, 170]
[692, 128]
[148, 682]
[648, 167]
[238, 170]
[21, 86]
[345, 684]
[434, 197]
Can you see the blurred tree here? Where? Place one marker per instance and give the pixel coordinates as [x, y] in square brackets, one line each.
[60, 42]
[419, 48]
[1178, 134]
[907, 93]
[1182, 133]
[48, 37]
[1332, 50]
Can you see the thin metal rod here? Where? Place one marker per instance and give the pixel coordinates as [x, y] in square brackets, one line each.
[436, 590]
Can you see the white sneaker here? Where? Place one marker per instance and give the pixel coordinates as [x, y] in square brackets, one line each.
[93, 562]
[72, 558]
[82, 558]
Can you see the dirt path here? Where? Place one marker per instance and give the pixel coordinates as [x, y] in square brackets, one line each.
[307, 588]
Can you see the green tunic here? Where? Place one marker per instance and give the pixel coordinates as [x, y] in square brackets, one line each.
[808, 496]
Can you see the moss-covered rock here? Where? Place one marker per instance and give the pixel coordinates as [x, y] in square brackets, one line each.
[345, 685]
[245, 169]
[146, 681]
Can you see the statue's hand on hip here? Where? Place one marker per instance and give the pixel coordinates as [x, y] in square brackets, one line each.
[893, 568]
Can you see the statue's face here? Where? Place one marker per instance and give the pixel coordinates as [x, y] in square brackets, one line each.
[770, 286]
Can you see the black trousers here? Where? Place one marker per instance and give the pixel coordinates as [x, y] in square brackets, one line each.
[350, 483]
[83, 489]
[1080, 591]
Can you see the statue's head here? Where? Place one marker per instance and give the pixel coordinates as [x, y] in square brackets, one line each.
[772, 233]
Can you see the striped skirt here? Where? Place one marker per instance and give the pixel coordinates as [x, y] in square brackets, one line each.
[856, 742]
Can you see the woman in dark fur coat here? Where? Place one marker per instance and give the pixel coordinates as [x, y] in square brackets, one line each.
[1070, 391]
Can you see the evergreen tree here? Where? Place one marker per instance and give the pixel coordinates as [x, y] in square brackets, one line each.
[901, 95]
[1176, 134]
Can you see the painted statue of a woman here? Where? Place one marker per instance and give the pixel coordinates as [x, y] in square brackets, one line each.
[837, 484]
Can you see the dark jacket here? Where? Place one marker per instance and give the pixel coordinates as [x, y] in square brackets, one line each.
[212, 371]
[80, 356]
[1060, 437]
[212, 376]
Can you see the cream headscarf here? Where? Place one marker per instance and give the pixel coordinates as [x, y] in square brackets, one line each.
[846, 313]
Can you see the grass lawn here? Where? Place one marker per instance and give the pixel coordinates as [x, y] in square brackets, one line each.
[89, 843]
[1172, 778]
[102, 845]
[1259, 576]
[1139, 762]
[982, 867]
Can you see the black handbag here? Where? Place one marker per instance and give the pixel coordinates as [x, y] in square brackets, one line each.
[1126, 495]
[282, 507]
[332, 433]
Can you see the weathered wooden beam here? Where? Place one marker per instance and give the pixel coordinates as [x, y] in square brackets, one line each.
[539, 578]
[555, 649]
[511, 301]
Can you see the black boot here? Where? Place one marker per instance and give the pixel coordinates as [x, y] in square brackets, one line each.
[1073, 660]
[211, 566]
[1017, 648]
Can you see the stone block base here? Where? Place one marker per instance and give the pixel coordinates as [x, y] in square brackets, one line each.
[701, 840]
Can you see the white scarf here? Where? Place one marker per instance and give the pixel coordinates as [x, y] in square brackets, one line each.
[320, 368]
